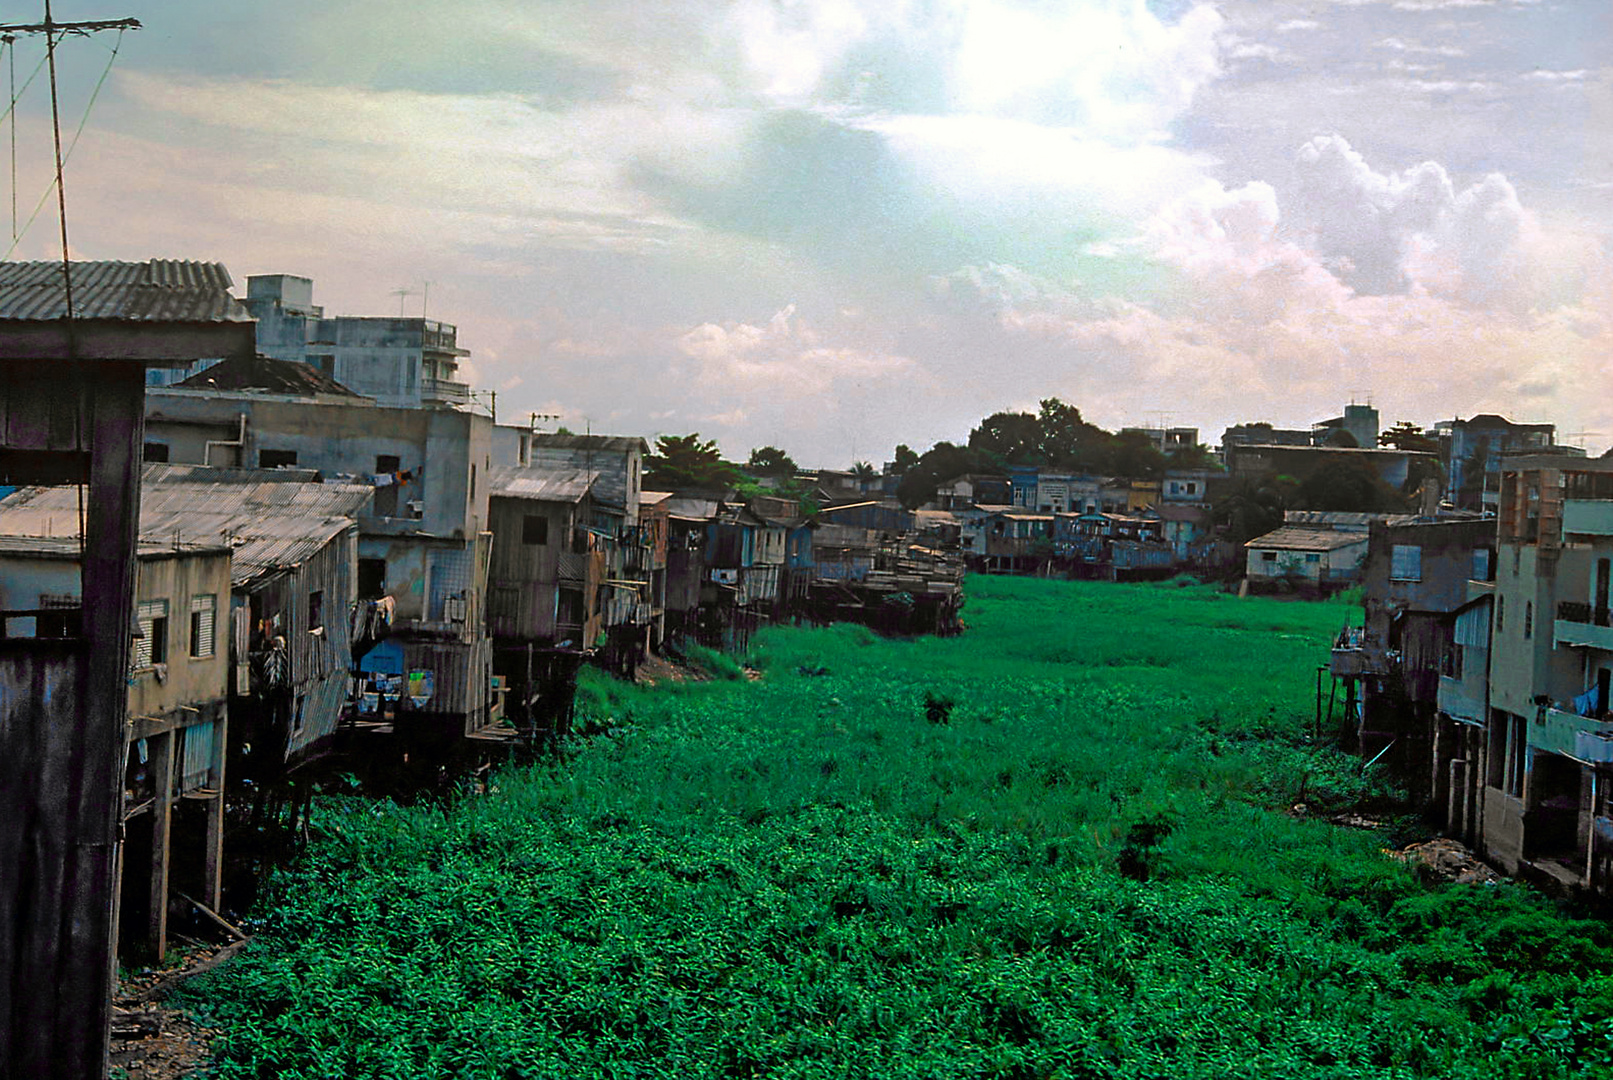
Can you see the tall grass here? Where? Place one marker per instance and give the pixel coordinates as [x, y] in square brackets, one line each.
[1053, 846]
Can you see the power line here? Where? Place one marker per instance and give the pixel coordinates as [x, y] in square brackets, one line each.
[94, 94]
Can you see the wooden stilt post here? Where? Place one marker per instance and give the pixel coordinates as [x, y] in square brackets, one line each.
[213, 857]
[162, 818]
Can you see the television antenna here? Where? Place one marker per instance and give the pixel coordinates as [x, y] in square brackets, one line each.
[402, 292]
[54, 31]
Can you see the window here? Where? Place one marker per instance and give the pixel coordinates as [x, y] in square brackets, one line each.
[371, 579]
[524, 453]
[534, 529]
[1406, 563]
[276, 459]
[1483, 564]
[1268, 556]
[1500, 614]
[473, 481]
[154, 451]
[1313, 557]
[1529, 620]
[1508, 748]
[1192, 487]
[316, 609]
[151, 647]
[325, 362]
[201, 626]
[386, 496]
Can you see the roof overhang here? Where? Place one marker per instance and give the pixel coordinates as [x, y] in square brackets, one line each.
[157, 344]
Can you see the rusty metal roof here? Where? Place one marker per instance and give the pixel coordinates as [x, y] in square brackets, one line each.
[162, 290]
[537, 483]
[270, 522]
[1300, 538]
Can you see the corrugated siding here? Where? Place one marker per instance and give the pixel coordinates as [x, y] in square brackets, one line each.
[1473, 627]
[197, 745]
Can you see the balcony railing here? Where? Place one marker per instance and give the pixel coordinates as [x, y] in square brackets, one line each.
[1574, 611]
[453, 393]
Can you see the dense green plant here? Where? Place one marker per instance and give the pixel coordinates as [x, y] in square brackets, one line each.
[1056, 846]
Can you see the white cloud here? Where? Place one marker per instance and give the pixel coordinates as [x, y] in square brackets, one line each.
[1399, 45]
[1291, 25]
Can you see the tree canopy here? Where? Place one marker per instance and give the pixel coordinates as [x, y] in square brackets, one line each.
[770, 461]
[683, 462]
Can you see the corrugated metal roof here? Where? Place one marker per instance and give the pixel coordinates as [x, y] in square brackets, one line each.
[542, 484]
[270, 522]
[693, 509]
[67, 547]
[162, 290]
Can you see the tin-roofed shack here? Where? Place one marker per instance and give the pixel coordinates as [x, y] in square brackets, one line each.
[177, 709]
[75, 342]
[292, 584]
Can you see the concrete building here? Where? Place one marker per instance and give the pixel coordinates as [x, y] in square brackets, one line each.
[1549, 742]
[1167, 440]
[423, 541]
[1415, 592]
[1475, 449]
[1359, 422]
[402, 362]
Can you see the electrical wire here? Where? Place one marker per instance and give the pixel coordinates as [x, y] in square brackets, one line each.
[68, 156]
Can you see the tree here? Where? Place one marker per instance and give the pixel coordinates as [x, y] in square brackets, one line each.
[905, 459]
[1349, 486]
[1406, 435]
[1197, 456]
[1251, 509]
[770, 461]
[1134, 454]
[1066, 440]
[864, 471]
[942, 462]
[1009, 439]
[681, 462]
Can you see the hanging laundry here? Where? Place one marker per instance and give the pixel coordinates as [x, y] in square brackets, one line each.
[383, 479]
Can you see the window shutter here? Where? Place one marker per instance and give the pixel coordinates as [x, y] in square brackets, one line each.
[201, 623]
[146, 615]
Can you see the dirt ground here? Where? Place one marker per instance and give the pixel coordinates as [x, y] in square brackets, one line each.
[151, 1040]
[1446, 860]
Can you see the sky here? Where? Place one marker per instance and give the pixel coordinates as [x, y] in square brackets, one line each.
[834, 225]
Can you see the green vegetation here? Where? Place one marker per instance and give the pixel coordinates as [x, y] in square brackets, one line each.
[1055, 846]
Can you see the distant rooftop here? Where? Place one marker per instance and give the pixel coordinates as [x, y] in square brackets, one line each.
[267, 374]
